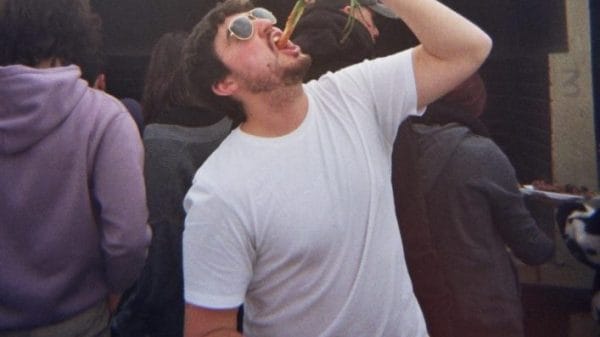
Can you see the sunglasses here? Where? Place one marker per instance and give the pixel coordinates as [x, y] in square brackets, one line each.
[242, 27]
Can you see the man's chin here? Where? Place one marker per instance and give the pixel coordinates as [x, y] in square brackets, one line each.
[295, 74]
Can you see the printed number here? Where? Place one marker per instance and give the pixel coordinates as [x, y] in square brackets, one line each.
[570, 84]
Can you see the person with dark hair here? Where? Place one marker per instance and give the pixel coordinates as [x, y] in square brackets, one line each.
[459, 207]
[325, 33]
[73, 224]
[293, 214]
[180, 134]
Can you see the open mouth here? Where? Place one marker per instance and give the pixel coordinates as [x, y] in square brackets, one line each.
[289, 47]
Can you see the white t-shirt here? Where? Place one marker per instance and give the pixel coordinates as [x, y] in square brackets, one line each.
[302, 228]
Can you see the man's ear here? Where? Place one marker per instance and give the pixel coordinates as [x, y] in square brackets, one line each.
[225, 87]
[100, 82]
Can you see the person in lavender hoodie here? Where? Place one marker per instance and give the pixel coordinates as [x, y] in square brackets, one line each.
[73, 214]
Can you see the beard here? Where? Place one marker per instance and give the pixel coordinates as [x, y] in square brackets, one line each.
[295, 74]
[281, 76]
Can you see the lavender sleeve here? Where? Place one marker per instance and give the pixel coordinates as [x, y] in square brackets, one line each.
[118, 189]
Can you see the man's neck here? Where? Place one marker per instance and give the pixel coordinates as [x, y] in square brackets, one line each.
[276, 113]
[49, 63]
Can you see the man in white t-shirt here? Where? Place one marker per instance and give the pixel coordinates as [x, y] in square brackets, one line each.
[293, 215]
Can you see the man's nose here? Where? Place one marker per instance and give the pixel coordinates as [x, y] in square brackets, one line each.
[262, 26]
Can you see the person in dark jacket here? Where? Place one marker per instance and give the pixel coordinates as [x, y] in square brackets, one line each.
[73, 215]
[459, 208]
[180, 134]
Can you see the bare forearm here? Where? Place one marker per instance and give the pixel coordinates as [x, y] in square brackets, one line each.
[443, 33]
[452, 48]
[203, 322]
[216, 333]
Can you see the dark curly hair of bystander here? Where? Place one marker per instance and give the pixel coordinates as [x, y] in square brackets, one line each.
[63, 30]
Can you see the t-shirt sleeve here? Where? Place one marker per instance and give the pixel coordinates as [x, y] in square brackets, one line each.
[217, 251]
[388, 86]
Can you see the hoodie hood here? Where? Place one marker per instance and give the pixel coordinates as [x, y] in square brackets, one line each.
[437, 144]
[33, 102]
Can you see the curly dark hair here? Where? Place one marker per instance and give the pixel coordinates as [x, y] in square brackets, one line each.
[35, 30]
[158, 91]
[201, 63]
[166, 85]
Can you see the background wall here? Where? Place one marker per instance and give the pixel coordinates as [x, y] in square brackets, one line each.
[572, 117]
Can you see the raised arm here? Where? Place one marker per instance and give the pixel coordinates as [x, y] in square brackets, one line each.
[451, 48]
